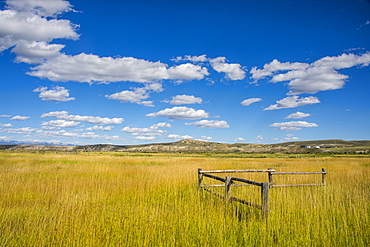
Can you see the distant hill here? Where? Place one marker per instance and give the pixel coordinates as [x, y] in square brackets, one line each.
[194, 146]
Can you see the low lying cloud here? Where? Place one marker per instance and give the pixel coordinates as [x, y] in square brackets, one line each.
[210, 124]
[137, 95]
[60, 123]
[63, 115]
[30, 21]
[179, 137]
[94, 69]
[321, 75]
[184, 100]
[149, 133]
[293, 125]
[180, 112]
[97, 127]
[293, 101]
[233, 71]
[55, 94]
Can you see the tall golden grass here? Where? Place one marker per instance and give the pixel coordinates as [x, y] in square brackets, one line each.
[110, 199]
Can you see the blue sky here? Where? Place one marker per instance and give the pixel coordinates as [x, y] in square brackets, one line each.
[131, 72]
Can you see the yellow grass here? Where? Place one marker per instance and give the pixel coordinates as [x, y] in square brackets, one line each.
[110, 199]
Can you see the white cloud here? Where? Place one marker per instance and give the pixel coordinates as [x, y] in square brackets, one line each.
[259, 137]
[179, 137]
[162, 125]
[61, 123]
[290, 137]
[23, 130]
[20, 118]
[103, 128]
[91, 68]
[180, 112]
[321, 75]
[137, 95]
[274, 66]
[18, 26]
[55, 94]
[239, 139]
[293, 101]
[298, 114]
[86, 135]
[5, 116]
[205, 138]
[250, 101]
[194, 59]
[184, 100]
[40, 7]
[144, 138]
[187, 71]
[233, 71]
[293, 125]
[33, 52]
[8, 125]
[63, 115]
[210, 124]
[150, 131]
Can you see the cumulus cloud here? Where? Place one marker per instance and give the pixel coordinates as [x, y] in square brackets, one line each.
[150, 131]
[205, 138]
[63, 115]
[298, 114]
[92, 68]
[137, 95]
[293, 101]
[239, 139]
[8, 125]
[184, 100]
[210, 124]
[179, 137]
[293, 125]
[233, 71]
[144, 138]
[20, 118]
[23, 130]
[20, 25]
[194, 59]
[34, 52]
[250, 101]
[55, 94]
[61, 123]
[103, 128]
[180, 112]
[40, 7]
[69, 134]
[321, 75]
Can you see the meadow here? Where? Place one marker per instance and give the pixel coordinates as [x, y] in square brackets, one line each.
[118, 199]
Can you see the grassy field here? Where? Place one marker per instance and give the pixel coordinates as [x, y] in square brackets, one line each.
[110, 199]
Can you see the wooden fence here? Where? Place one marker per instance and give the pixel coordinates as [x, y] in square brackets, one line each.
[265, 186]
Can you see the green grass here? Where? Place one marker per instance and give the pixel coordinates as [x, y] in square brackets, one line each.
[105, 199]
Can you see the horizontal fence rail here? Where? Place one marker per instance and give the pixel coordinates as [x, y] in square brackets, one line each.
[228, 182]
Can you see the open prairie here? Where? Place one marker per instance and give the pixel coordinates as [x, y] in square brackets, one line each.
[115, 199]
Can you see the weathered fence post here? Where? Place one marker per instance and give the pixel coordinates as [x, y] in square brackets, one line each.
[228, 183]
[265, 199]
[271, 181]
[200, 178]
[324, 175]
